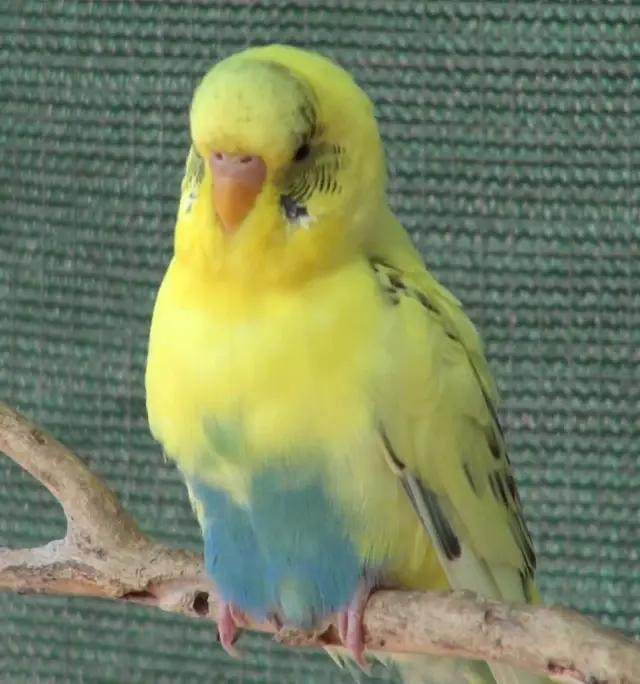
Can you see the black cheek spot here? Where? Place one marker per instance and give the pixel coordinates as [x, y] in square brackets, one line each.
[292, 209]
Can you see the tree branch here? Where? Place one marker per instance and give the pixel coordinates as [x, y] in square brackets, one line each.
[105, 554]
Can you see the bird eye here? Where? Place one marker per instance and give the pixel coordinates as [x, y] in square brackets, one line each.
[302, 153]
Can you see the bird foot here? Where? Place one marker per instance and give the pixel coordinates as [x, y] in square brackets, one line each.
[350, 627]
[230, 619]
[275, 621]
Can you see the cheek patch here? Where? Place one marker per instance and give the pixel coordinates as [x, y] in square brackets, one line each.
[296, 213]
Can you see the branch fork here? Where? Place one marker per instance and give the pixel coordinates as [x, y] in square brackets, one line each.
[105, 554]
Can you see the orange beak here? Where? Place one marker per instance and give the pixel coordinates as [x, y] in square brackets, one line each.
[237, 182]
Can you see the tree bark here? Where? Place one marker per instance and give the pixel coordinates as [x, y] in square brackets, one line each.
[105, 554]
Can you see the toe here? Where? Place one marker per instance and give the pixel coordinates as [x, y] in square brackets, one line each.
[355, 640]
[343, 622]
[227, 630]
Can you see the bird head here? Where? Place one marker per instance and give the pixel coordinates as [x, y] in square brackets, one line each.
[292, 166]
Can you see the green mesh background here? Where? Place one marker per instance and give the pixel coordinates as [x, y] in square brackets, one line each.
[513, 140]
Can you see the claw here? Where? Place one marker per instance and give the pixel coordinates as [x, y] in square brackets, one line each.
[229, 618]
[350, 626]
[275, 621]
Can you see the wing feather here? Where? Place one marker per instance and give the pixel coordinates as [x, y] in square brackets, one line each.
[486, 469]
[454, 465]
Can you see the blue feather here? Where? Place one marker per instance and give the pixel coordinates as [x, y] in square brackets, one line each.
[288, 552]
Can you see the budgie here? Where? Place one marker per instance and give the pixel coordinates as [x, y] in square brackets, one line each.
[326, 400]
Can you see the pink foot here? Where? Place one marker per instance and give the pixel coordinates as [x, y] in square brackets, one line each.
[238, 616]
[350, 623]
[230, 618]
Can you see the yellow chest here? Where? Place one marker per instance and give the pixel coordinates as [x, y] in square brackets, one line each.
[300, 373]
[291, 367]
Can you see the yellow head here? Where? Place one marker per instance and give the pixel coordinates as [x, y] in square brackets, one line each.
[293, 172]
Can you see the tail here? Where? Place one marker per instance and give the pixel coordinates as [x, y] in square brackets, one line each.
[434, 669]
[419, 669]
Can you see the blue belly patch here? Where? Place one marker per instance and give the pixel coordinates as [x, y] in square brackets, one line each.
[287, 552]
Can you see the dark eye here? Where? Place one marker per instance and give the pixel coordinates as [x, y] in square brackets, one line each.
[302, 153]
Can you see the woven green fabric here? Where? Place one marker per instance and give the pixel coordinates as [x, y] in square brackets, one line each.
[512, 134]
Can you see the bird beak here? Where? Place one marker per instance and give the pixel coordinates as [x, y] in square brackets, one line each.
[237, 182]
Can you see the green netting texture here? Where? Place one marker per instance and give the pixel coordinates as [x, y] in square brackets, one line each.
[513, 137]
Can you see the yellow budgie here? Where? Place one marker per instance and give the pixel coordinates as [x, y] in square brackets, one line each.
[327, 401]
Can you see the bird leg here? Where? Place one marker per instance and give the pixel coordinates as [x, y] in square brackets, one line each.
[350, 627]
[230, 618]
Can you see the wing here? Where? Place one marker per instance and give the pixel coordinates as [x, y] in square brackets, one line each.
[442, 438]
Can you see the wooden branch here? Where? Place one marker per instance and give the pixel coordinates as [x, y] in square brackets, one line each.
[105, 554]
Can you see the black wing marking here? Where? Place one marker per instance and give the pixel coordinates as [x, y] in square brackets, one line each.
[500, 480]
[423, 497]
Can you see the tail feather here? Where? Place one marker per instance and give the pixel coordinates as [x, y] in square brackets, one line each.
[419, 669]
[505, 674]
[442, 670]
[471, 572]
